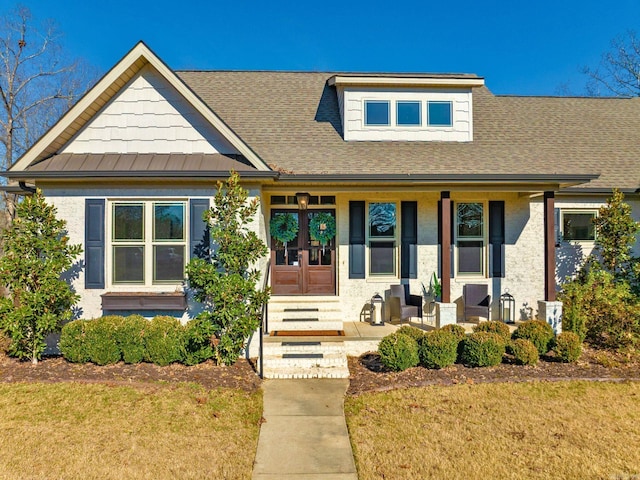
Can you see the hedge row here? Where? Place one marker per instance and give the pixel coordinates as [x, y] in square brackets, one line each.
[486, 346]
[134, 339]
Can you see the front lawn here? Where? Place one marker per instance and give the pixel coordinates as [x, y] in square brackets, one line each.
[80, 431]
[509, 431]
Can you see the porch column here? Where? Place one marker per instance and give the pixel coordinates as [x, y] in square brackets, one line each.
[445, 245]
[549, 248]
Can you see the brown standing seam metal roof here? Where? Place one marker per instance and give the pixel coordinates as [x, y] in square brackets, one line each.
[141, 162]
[291, 120]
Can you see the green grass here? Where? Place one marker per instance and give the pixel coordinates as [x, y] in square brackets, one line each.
[569, 430]
[96, 431]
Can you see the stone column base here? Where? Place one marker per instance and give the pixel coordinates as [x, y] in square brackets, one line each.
[551, 312]
[446, 314]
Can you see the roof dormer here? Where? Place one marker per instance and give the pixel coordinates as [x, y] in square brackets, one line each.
[413, 108]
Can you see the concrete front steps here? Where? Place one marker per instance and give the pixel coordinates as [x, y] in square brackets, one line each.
[287, 354]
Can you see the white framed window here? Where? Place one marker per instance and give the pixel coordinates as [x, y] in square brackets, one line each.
[471, 242]
[439, 114]
[376, 113]
[408, 113]
[148, 241]
[577, 225]
[382, 239]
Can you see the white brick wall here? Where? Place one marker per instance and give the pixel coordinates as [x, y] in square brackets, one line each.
[70, 204]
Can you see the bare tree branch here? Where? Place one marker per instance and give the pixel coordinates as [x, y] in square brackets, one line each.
[619, 70]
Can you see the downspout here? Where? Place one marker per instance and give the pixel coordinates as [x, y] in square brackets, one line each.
[24, 187]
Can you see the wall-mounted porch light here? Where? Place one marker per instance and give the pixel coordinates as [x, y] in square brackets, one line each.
[303, 200]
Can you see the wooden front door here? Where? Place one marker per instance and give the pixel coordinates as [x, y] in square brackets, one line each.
[303, 265]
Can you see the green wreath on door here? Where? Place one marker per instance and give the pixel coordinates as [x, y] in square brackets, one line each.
[284, 228]
[322, 228]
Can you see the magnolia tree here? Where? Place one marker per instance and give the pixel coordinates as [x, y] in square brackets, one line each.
[36, 254]
[228, 284]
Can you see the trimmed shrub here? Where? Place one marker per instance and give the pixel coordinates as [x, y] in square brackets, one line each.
[72, 341]
[101, 339]
[568, 347]
[482, 349]
[524, 352]
[537, 332]
[438, 349]
[398, 352]
[163, 340]
[458, 331]
[198, 334]
[410, 331]
[130, 338]
[500, 328]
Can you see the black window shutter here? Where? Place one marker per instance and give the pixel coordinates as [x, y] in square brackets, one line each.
[199, 231]
[409, 240]
[496, 238]
[356, 239]
[94, 242]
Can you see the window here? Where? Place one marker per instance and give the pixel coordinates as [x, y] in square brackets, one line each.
[578, 225]
[439, 114]
[382, 234]
[470, 238]
[148, 242]
[407, 113]
[376, 112]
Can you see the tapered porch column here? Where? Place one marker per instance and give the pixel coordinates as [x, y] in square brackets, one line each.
[445, 245]
[549, 248]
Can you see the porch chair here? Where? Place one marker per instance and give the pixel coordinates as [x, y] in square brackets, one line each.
[477, 301]
[399, 308]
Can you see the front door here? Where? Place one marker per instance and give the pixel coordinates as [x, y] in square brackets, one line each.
[302, 265]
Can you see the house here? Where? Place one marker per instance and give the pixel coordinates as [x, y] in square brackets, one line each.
[420, 173]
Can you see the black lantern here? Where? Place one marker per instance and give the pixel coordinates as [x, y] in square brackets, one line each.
[507, 308]
[377, 310]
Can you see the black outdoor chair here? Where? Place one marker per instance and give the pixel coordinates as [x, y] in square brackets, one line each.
[403, 306]
[477, 301]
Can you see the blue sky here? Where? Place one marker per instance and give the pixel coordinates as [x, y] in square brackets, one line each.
[528, 48]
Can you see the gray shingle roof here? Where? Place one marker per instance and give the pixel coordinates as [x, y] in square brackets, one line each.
[291, 120]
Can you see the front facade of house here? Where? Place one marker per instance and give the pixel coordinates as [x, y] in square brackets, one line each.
[421, 174]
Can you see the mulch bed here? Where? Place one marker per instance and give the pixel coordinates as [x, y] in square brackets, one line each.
[367, 373]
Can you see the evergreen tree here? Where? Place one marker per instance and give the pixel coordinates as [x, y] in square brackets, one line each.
[36, 253]
[227, 284]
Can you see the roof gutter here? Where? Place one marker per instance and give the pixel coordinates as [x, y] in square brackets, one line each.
[442, 178]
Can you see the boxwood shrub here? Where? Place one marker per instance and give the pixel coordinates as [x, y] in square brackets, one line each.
[130, 338]
[101, 339]
[410, 331]
[538, 332]
[437, 349]
[500, 328]
[197, 341]
[398, 352]
[458, 331]
[524, 352]
[482, 349]
[72, 341]
[568, 347]
[164, 340]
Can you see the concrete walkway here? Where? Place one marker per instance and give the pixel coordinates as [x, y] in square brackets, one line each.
[305, 434]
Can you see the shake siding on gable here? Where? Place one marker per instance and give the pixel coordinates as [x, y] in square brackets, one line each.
[148, 116]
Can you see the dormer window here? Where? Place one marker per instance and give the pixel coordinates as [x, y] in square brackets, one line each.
[376, 112]
[408, 113]
[439, 114]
